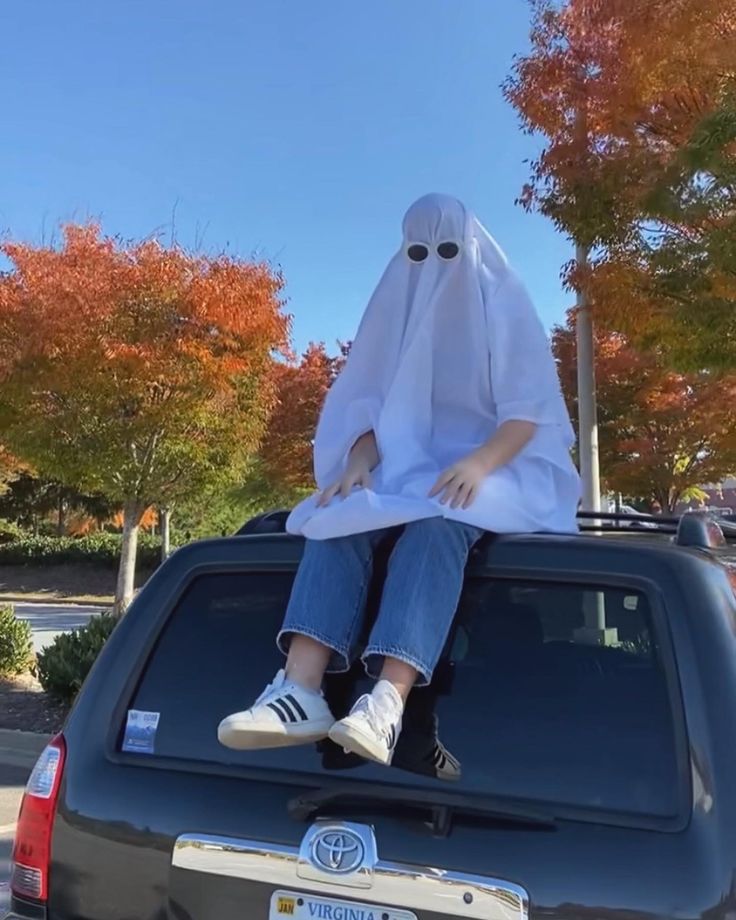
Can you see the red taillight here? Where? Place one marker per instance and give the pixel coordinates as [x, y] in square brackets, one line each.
[32, 850]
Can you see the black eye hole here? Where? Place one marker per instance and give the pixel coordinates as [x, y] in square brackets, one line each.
[417, 252]
[448, 250]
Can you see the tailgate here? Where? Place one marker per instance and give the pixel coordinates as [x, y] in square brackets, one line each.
[336, 874]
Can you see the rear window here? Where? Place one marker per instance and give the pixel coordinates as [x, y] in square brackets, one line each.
[546, 692]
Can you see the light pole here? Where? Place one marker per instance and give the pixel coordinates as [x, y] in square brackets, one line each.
[594, 632]
[587, 404]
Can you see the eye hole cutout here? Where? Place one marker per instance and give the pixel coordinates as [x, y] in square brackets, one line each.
[448, 250]
[417, 252]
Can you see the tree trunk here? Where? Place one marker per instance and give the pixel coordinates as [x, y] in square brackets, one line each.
[61, 521]
[132, 514]
[164, 523]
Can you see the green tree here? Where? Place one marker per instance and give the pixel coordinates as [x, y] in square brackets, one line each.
[10, 469]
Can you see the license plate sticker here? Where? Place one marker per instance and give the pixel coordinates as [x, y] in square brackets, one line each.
[291, 905]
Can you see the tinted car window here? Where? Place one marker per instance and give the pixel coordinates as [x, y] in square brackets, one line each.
[525, 699]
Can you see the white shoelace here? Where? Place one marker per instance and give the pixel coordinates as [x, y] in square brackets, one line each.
[379, 722]
[278, 683]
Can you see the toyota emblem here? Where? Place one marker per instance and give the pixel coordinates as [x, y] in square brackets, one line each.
[338, 851]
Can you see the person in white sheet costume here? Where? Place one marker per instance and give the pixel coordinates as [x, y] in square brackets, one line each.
[448, 418]
[448, 350]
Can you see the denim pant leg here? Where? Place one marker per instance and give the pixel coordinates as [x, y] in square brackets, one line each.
[329, 595]
[421, 595]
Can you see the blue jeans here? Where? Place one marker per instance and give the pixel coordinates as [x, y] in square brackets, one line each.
[420, 595]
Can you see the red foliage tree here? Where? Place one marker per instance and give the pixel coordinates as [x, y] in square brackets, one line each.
[636, 100]
[136, 371]
[283, 470]
[662, 434]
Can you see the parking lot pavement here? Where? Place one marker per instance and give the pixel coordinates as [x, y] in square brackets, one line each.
[49, 620]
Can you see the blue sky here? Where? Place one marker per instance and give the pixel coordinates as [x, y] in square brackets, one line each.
[298, 130]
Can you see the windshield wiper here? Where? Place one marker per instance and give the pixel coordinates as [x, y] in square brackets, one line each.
[390, 800]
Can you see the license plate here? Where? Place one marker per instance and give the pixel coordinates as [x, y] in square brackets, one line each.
[290, 905]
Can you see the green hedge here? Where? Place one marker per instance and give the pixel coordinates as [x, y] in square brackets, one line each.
[102, 549]
[16, 645]
[9, 531]
[65, 664]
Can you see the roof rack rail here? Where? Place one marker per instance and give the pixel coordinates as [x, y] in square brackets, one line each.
[617, 522]
[693, 528]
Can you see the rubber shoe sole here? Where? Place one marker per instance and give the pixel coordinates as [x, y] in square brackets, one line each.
[254, 736]
[347, 735]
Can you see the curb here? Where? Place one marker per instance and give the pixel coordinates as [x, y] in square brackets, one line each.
[53, 601]
[21, 749]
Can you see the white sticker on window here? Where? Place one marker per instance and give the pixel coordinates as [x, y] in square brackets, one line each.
[631, 602]
[140, 731]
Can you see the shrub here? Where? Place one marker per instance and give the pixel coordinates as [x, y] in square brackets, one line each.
[64, 665]
[16, 646]
[102, 549]
[9, 531]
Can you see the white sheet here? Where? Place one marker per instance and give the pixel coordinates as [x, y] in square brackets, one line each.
[447, 350]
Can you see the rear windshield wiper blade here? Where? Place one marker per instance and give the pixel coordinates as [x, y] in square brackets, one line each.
[391, 800]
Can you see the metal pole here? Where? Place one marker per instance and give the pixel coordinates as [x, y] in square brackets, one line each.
[587, 406]
[595, 631]
[164, 519]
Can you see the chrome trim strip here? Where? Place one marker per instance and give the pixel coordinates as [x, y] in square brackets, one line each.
[418, 888]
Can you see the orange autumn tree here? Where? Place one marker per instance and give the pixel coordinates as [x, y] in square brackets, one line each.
[140, 372]
[637, 105]
[671, 278]
[283, 469]
[560, 91]
[662, 434]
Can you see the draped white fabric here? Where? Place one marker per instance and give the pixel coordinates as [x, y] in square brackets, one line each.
[448, 349]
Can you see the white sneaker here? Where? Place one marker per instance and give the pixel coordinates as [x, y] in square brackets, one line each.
[373, 726]
[284, 714]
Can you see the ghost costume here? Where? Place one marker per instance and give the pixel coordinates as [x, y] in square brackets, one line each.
[450, 347]
[448, 350]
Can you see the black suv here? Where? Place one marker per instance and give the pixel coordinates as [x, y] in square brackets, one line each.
[587, 696]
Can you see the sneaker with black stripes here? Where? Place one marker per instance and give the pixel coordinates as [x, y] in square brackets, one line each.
[373, 726]
[426, 755]
[284, 714]
[446, 766]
